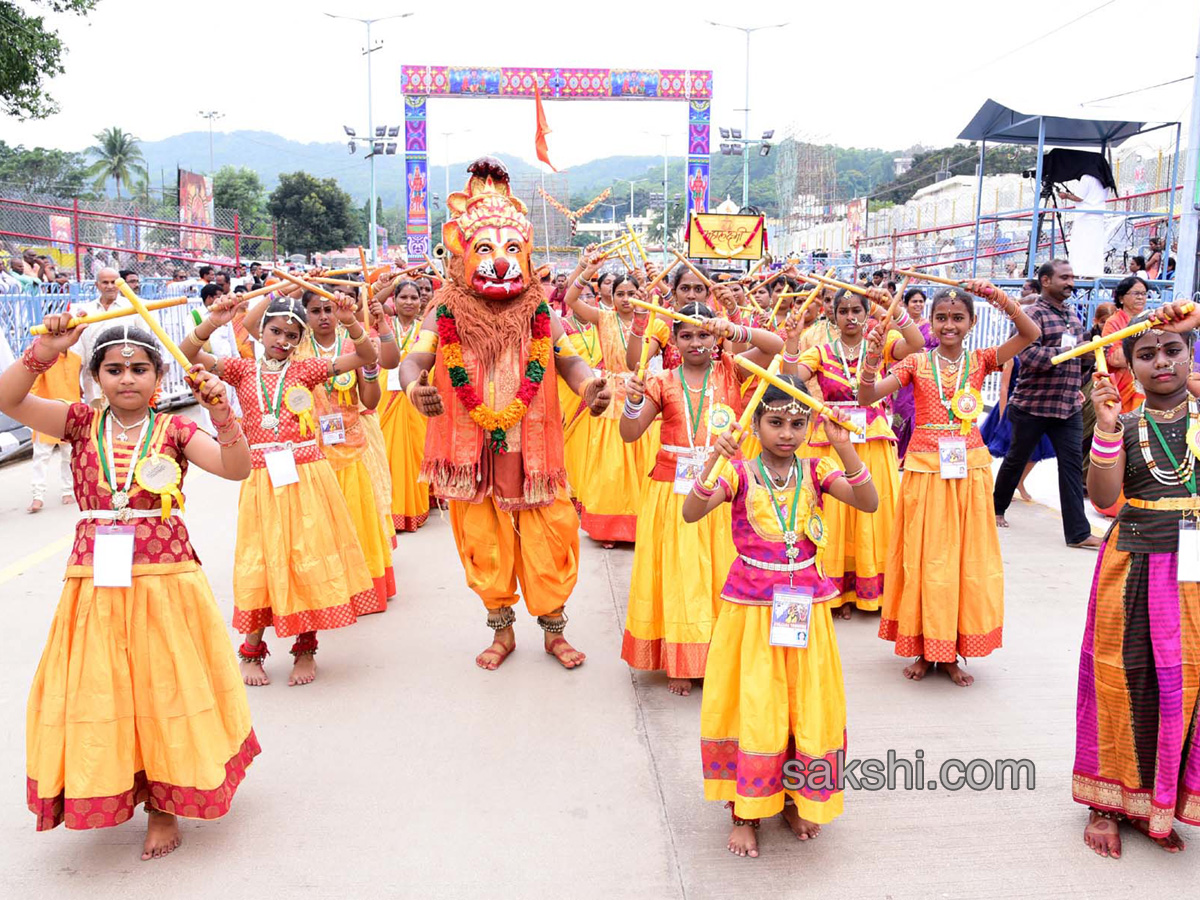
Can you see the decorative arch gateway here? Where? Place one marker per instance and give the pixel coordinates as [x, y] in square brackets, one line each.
[419, 83]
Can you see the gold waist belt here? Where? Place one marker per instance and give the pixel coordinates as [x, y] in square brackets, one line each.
[1167, 503]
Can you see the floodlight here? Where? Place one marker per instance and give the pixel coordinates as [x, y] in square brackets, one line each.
[378, 147]
[737, 132]
[380, 130]
[393, 130]
[725, 133]
[391, 148]
[737, 149]
[352, 146]
[764, 150]
[767, 135]
[349, 130]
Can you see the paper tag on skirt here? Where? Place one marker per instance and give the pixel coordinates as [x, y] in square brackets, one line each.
[858, 416]
[333, 429]
[393, 379]
[281, 467]
[112, 556]
[952, 454]
[688, 467]
[791, 610]
[1189, 551]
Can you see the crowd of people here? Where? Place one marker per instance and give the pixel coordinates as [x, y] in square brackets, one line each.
[756, 518]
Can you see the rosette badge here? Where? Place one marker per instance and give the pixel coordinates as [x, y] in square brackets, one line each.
[720, 419]
[966, 405]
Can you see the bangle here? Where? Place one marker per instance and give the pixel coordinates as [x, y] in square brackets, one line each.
[701, 490]
[387, 337]
[789, 358]
[224, 423]
[903, 320]
[579, 283]
[362, 336]
[238, 435]
[33, 363]
[633, 410]
[861, 477]
[370, 373]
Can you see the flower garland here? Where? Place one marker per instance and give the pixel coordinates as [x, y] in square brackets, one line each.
[582, 211]
[709, 243]
[496, 424]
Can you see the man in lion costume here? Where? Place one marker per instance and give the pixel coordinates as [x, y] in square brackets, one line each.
[494, 448]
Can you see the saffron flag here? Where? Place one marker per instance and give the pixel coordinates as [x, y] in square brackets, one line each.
[542, 128]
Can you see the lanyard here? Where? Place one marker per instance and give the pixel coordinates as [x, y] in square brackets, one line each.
[590, 346]
[108, 461]
[693, 416]
[408, 335]
[838, 347]
[788, 527]
[1190, 483]
[272, 410]
[937, 378]
[621, 330]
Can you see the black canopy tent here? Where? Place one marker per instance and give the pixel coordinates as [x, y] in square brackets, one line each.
[1000, 124]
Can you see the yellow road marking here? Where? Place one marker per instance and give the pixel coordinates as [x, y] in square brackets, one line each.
[8, 573]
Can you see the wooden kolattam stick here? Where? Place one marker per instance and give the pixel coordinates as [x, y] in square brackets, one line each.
[163, 338]
[935, 279]
[654, 282]
[645, 357]
[669, 313]
[1116, 337]
[115, 313]
[307, 285]
[324, 279]
[687, 262]
[811, 402]
[747, 417]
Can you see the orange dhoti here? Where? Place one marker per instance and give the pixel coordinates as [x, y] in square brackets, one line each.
[535, 548]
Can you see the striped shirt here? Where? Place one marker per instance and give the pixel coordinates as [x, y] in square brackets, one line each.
[1044, 389]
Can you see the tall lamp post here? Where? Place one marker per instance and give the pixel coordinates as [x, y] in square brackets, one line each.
[447, 135]
[371, 48]
[210, 115]
[746, 131]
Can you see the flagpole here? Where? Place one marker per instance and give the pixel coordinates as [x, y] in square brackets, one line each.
[545, 220]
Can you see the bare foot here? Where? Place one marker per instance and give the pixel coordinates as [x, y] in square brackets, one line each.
[957, 675]
[1091, 542]
[607, 545]
[304, 670]
[802, 828]
[1024, 493]
[1172, 843]
[916, 671]
[162, 835]
[1001, 522]
[743, 841]
[35, 506]
[68, 499]
[680, 686]
[557, 646]
[253, 673]
[844, 611]
[504, 644]
[1103, 835]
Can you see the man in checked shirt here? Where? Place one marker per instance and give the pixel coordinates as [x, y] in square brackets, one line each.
[1047, 400]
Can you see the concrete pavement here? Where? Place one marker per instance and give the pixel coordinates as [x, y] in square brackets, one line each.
[407, 772]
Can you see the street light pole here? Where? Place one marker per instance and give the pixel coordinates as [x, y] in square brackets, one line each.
[210, 115]
[1189, 216]
[746, 126]
[370, 117]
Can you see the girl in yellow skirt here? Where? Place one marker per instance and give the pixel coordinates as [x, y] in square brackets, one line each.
[342, 437]
[609, 486]
[370, 398]
[403, 427]
[580, 338]
[678, 567]
[295, 567]
[773, 718]
[858, 542]
[137, 697]
[944, 590]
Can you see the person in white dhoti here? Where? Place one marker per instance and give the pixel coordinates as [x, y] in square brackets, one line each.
[1089, 228]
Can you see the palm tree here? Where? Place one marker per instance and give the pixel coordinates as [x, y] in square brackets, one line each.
[117, 156]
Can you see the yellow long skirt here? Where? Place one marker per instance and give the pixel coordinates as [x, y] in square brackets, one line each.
[137, 697]
[298, 565]
[373, 536]
[609, 485]
[404, 434]
[764, 706]
[376, 460]
[675, 590]
[575, 439]
[945, 578]
[857, 553]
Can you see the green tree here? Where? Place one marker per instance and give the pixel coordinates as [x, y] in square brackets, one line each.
[240, 189]
[31, 53]
[43, 171]
[118, 157]
[313, 215]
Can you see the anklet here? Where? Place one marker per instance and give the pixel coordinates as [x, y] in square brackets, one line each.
[502, 618]
[253, 652]
[306, 645]
[553, 625]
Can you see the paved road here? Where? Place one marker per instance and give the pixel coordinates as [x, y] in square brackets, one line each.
[406, 772]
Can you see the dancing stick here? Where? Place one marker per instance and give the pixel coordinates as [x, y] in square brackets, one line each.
[1117, 336]
[323, 279]
[347, 271]
[687, 262]
[754, 271]
[833, 282]
[747, 416]
[307, 285]
[614, 240]
[637, 243]
[362, 257]
[436, 269]
[659, 277]
[936, 279]
[645, 358]
[115, 313]
[163, 338]
[811, 402]
[258, 292]
[669, 313]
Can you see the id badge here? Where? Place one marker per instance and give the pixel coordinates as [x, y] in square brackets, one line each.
[952, 454]
[112, 556]
[393, 379]
[1068, 341]
[858, 416]
[1189, 550]
[281, 467]
[791, 610]
[333, 429]
[687, 469]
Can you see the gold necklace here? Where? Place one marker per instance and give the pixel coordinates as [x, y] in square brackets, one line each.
[1167, 415]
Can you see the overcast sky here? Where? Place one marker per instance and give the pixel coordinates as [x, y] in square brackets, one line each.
[856, 73]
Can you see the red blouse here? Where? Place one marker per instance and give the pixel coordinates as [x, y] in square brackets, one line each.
[242, 374]
[932, 420]
[155, 542]
[666, 391]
